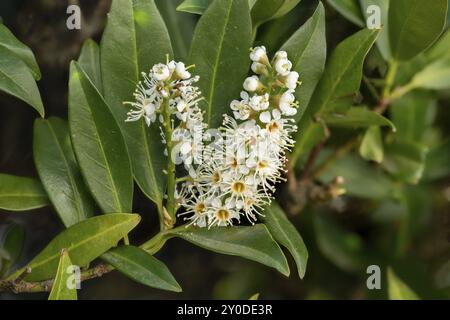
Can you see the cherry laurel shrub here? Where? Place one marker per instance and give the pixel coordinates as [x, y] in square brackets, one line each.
[210, 137]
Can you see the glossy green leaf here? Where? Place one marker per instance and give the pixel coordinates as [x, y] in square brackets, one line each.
[11, 243]
[371, 147]
[383, 38]
[194, 6]
[98, 145]
[265, 10]
[84, 242]
[441, 49]
[435, 76]
[135, 36]
[10, 42]
[17, 80]
[21, 193]
[336, 89]
[89, 60]
[59, 172]
[350, 10]
[405, 160]
[356, 117]
[285, 233]
[140, 266]
[397, 289]
[253, 243]
[219, 50]
[60, 289]
[414, 25]
[307, 49]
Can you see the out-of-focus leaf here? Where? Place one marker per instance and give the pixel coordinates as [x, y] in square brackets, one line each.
[285, 233]
[58, 170]
[371, 147]
[337, 88]
[397, 289]
[180, 25]
[350, 9]
[435, 76]
[89, 60]
[12, 244]
[436, 166]
[254, 297]
[361, 179]
[135, 38]
[61, 290]
[219, 51]
[265, 10]
[307, 49]
[10, 42]
[345, 249]
[441, 49]
[21, 193]
[405, 160]
[383, 38]
[356, 117]
[414, 25]
[442, 276]
[253, 243]
[17, 80]
[140, 266]
[194, 6]
[98, 145]
[84, 242]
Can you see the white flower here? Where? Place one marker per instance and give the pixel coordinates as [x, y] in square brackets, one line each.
[251, 84]
[259, 54]
[259, 68]
[264, 117]
[291, 80]
[161, 72]
[283, 66]
[280, 55]
[259, 103]
[181, 71]
[222, 215]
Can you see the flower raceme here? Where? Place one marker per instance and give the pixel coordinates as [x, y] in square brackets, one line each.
[235, 175]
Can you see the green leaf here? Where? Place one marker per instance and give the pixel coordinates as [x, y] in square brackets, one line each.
[307, 49]
[356, 117]
[441, 49]
[194, 6]
[336, 89]
[219, 50]
[350, 10]
[254, 297]
[266, 10]
[285, 233]
[371, 147]
[135, 36]
[405, 160]
[60, 288]
[140, 266]
[89, 60]
[10, 42]
[12, 244]
[21, 193]
[98, 145]
[59, 172]
[84, 242]
[17, 80]
[397, 289]
[414, 25]
[383, 39]
[253, 243]
[435, 76]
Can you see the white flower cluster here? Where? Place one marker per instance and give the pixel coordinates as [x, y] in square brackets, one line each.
[238, 176]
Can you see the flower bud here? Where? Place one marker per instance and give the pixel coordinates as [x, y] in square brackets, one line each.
[259, 54]
[251, 84]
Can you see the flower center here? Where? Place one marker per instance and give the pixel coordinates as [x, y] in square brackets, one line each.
[223, 214]
[273, 126]
[262, 164]
[216, 177]
[200, 208]
[238, 187]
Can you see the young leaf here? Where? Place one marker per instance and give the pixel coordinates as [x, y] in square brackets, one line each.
[397, 289]
[98, 145]
[89, 60]
[60, 288]
[285, 233]
[84, 242]
[140, 266]
[253, 243]
[356, 117]
[58, 171]
[414, 25]
[194, 6]
[307, 49]
[371, 147]
[265, 10]
[219, 50]
[336, 89]
[10, 42]
[350, 10]
[16, 79]
[21, 193]
[135, 36]
[12, 244]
